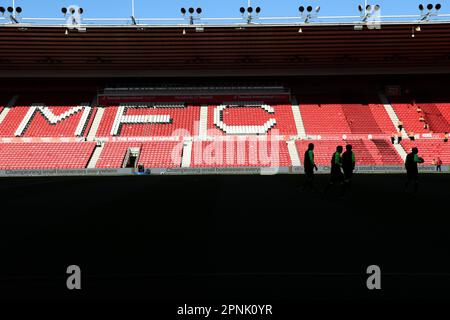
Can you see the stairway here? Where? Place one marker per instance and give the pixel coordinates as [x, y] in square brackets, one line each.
[98, 118]
[187, 154]
[203, 124]
[293, 153]
[298, 118]
[391, 113]
[95, 156]
[401, 151]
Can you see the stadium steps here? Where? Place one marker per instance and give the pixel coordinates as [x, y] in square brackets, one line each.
[391, 112]
[187, 154]
[22, 126]
[298, 119]
[401, 151]
[95, 124]
[84, 119]
[95, 156]
[203, 124]
[8, 107]
[293, 153]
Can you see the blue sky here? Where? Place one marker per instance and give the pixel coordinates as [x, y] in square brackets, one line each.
[211, 8]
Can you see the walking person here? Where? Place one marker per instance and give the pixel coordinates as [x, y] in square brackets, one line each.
[439, 165]
[412, 170]
[348, 165]
[337, 177]
[309, 166]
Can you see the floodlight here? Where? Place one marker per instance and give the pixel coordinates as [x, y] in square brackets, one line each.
[258, 10]
[376, 7]
[199, 10]
[242, 10]
[10, 9]
[19, 10]
[438, 6]
[421, 7]
[430, 6]
[250, 9]
[360, 8]
[2, 10]
[191, 10]
[309, 9]
[183, 11]
[72, 11]
[301, 9]
[368, 7]
[317, 9]
[80, 10]
[64, 10]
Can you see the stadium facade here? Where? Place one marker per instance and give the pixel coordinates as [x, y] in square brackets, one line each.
[179, 98]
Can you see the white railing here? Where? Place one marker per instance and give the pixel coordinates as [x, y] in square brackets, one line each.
[297, 20]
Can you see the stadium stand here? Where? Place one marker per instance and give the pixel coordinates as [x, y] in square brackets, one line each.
[407, 113]
[430, 149]
[345, 118]
[71, 155]
[172, 118]
[240, 153]
[437, 116]
[64, 118]
[322, 119]
[368, 152]
[154, 154]
[279, 117]
[51, 116]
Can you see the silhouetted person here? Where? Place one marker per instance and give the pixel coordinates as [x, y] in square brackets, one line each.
[348, 165]
[412, 170]
[336, 169]
[309, 165]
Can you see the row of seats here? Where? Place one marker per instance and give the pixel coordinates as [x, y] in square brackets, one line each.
[367, 152]
[233, 153]
[317, 119]
[240, 153]
[71, 155]
[430, 150]
[153, 154]
[176, 121]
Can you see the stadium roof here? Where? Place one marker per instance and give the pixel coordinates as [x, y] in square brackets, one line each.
[231, 50]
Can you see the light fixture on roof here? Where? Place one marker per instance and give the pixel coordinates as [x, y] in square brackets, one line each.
[368, 11]
[370, 15]
[191, 11]
[74, 19]
[425, 15]
[300, 30]
[307, 13]
[13, 12]
[247, 14]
